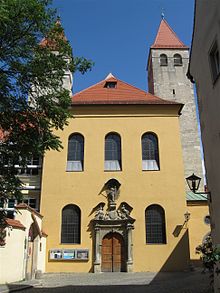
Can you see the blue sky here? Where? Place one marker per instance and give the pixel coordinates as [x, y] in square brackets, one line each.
[117, 34]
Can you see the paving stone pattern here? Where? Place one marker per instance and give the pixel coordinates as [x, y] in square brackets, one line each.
[184, 282]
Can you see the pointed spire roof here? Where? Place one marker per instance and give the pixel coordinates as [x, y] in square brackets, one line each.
[167, 38]
[59, 33]
[119, 92]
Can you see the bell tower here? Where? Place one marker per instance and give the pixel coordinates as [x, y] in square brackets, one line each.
[167, 67]
[52, 45]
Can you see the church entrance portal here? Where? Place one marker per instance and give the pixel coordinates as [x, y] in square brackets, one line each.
[113, 253]
[112, 233]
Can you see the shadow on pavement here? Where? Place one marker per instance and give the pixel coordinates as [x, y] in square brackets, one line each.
[151, 288]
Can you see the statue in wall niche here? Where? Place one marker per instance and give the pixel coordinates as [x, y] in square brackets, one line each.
[100, 213]
[111, 195]
[123, 212]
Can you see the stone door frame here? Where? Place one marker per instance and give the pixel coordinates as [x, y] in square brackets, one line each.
[102, 228]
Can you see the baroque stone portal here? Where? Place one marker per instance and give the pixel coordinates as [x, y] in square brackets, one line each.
[113, 220]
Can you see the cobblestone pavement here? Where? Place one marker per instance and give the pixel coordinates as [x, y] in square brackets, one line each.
[184, 282]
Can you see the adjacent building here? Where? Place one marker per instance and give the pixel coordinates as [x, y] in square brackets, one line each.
[204, 70]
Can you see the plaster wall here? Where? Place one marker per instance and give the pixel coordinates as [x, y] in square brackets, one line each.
[12, 256]
[205, 33]
[198, 229]
[41, 254]
[138, 188]
[24, 216]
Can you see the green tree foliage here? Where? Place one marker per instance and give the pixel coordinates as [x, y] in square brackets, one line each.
[210, 256]
[33, 101]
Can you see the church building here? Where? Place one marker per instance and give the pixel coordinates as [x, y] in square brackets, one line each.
[108, 197]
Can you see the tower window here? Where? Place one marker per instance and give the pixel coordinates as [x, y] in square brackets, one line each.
[163, 60]
[178, 60]
[110, 84]
[214, 61]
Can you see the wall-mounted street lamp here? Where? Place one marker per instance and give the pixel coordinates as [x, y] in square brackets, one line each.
[187, 216]
[193, 182]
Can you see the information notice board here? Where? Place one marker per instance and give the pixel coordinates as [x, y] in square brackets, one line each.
[69, 254]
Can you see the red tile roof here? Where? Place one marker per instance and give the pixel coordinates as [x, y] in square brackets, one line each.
[15, 224]
[43, 233]
[166, 38]
[52, 44]
[123, 93]
[24, 206]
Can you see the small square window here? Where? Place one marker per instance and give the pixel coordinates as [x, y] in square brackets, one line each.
[214, 61]
[110, 84]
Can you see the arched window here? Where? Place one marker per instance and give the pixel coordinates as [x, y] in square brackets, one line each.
[155, 224]
[70, 230]
[112, 152]
[178, 60]
[150, 153]
[75, 155]
[163, 60]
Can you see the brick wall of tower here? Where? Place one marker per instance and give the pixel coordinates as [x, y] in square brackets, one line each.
[171, 83]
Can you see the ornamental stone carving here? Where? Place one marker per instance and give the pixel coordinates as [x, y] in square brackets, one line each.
[113, 219]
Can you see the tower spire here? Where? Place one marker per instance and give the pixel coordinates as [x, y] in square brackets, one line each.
[162, 13]
[166, 37]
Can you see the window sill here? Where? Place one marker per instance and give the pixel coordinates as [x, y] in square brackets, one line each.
[156, 243]
[150, 170]
[112, 170]
[69, 244]
[75, 171]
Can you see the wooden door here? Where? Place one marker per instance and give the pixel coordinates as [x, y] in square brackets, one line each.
[113, 253]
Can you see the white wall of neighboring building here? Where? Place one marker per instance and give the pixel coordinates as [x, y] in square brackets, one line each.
[206, 34]
[41, 255]
[12, 256]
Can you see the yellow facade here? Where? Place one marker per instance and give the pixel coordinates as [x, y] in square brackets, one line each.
[198, 226]
[138, 188]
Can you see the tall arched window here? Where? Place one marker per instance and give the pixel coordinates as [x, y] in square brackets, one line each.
[178, 60]
[112, 152]
[150, 153]
[163, 60]
[75, 155]
[70, 230]
[155, 224]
